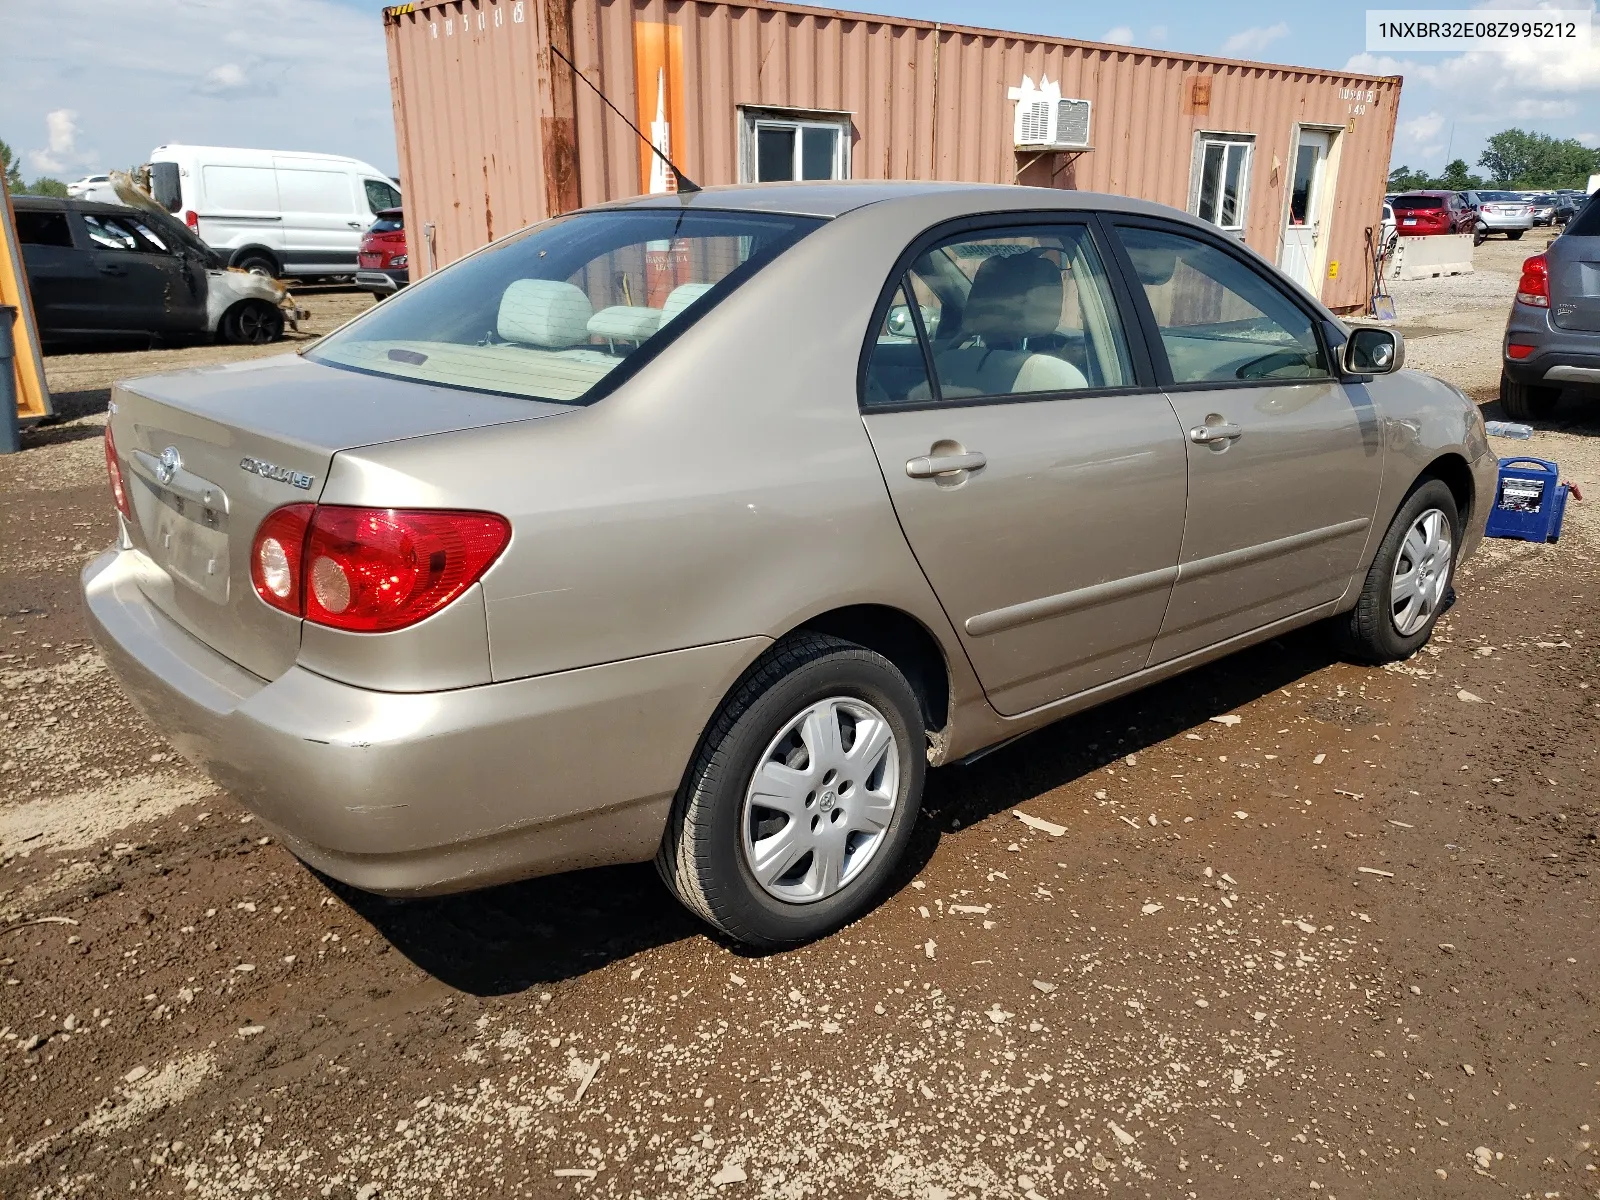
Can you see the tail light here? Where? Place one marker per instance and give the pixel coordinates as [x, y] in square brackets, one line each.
[1517, 351]
[1534, 286]
[119, 494]
[369, 570]
[399, 260]
[191, 219]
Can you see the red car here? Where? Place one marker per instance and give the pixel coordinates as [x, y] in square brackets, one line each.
[382, 257]
[1432, 212]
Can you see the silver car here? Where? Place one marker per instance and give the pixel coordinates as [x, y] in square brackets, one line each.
[1509, 213]
[697, 528]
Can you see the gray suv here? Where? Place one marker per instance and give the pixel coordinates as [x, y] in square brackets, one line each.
[1553, 334]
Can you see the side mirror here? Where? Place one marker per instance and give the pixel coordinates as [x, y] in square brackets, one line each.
[1373, 351]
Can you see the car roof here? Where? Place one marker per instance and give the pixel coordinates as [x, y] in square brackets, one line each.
[837, 197]
[61, 203]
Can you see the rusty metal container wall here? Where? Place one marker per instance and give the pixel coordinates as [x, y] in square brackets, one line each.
[926, 101]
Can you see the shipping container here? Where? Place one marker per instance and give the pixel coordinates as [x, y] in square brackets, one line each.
[496, 132]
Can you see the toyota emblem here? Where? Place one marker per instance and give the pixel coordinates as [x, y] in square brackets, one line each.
[167, 465]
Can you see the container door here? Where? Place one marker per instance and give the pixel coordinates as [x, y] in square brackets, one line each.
[1039, 484]
[1304, 231]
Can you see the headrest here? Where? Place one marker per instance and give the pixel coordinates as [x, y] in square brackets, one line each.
[1154, 263]
[625, 322]
[1017, 296]
[681, 297]
[549, 313]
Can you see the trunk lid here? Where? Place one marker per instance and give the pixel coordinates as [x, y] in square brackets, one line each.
[207, 454]
[1575, 283]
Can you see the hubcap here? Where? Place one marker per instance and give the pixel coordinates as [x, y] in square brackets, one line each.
[1421, 573]
[821, 800]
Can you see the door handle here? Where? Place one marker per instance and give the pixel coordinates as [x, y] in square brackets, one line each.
[931, 465]
[355, 224]
[1205, 435]
[108, 269]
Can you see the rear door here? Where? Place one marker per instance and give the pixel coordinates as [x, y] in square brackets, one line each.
[1036, 469]
[1574, 260]
[60, 277]
[145, 285]
[1284, 460]
[323, 219]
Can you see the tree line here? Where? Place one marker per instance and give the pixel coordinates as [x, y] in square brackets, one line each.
[1516, 160]
[12, 170]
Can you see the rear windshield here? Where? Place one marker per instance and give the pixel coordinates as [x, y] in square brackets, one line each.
[1587, 222]
[1417, 203]
[551, 312]
[387, 223]
[1503, 197]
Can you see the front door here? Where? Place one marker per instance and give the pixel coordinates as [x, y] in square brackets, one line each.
[144, 285]
[1284, 460]
[1038, 474]
[1306, 225]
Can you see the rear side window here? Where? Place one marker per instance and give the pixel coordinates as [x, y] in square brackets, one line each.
[1417, 203]
[1587, 222]
[165, 186]
[43, 229]
[1219, 320]
[551, 312]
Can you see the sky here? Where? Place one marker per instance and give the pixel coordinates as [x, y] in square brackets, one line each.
[87, 86]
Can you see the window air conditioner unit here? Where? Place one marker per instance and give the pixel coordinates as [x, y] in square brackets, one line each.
[1046, 121]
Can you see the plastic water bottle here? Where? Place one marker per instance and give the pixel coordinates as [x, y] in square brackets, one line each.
[1508, 429]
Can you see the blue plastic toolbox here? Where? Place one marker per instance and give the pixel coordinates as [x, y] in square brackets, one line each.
[1529, 501]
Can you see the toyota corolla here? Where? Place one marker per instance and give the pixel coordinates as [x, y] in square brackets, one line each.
[699, 527]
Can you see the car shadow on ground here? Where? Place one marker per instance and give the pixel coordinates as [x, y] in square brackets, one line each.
[1577, 412]
[504, 940]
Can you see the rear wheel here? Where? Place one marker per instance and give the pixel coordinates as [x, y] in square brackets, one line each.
[253, 323]
[802, 796]
[1408, 584]
[1480, 234]
[1522, 401]
[1514, 234]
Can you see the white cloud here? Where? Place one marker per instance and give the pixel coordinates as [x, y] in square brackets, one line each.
[1158, 35]
[1425, 128]
[1589, 139]
[61, 150]
[200, 71]
[1252, 41]
[1122, 35]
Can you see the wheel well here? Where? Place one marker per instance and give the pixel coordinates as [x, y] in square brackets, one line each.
[248, 252]
[905, 642]
[1453, 471]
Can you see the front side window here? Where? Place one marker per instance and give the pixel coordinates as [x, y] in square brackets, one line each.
[549, 313]
[122, 233]
[780, 147]
[1003, 312]
[380, 195]
[1219, 320]
[1221, 175]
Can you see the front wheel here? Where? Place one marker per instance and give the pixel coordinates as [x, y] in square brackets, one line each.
[1409, 581]
[802, 796]
[253, 323]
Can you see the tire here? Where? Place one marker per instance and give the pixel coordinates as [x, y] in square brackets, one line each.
[1373, 631]
[1524, 401]
[707, 854]
[253, 323]
[1515, 234]
[1480, 234]
[258, 263]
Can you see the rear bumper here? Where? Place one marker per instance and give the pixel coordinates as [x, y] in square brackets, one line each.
[1495, 224]
[1560, 357]
[422, 793]
[389, 279]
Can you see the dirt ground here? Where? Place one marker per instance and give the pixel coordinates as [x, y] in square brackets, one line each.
[1312, 928]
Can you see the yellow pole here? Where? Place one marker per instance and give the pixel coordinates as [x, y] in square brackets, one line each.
[33, 396]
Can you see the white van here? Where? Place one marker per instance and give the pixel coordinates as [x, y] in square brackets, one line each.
[281, 213]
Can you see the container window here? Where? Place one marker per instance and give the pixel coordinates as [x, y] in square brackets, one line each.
[1221, 180]
[780, 146]
[550, 313]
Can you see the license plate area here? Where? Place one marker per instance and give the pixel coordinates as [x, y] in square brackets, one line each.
[184, 520]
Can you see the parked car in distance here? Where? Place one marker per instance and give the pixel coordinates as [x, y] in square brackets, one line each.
[1500, 212]
[382, 259]
[107, 271]
[1422, 213]
[541, 563]
[92, 187]
[1552, 338]
[1388, 226]
[278, 213]
[1544, 209]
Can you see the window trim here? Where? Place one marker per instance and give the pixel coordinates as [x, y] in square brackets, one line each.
[1144, 371]
[751, 117]
[1218, 240]
[1204, 138]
